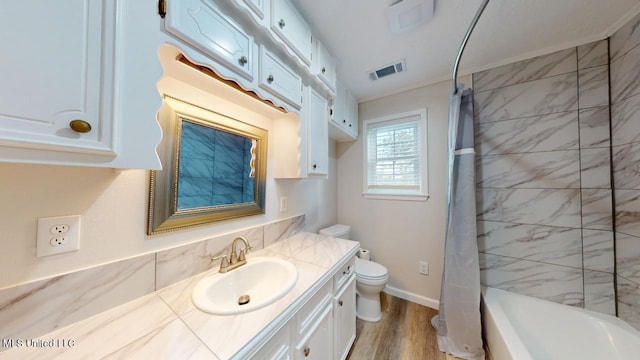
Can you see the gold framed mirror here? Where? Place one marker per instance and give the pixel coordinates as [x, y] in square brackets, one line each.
[214, 168]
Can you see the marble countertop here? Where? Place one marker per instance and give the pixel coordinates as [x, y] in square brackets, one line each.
[166, 324]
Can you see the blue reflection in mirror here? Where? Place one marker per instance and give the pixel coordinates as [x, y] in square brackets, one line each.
[215, 167]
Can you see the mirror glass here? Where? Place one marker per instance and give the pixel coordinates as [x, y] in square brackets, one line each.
[214, 168]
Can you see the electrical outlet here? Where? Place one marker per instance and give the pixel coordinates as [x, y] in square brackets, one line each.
[58, 240]
[59, 234]
[59, 229]
[424, 268]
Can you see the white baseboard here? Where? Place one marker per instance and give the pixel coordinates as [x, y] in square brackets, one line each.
[409, 296]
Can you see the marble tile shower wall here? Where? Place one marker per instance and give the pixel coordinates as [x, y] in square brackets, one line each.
[33, 309]
[543, 177]
[625, 122]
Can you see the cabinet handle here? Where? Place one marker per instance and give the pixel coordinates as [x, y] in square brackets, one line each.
[306, 351]
[80, 126]
[270, 79]
[348, 271]
[281, 23]
[324, 70]
[340, 303]
[243, 60]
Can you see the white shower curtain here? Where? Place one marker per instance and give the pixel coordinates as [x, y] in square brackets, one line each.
[458, 324]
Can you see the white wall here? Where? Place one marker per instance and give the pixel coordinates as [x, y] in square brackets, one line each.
[113, 206]
[401, 233]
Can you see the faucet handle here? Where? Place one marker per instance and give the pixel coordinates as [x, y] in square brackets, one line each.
[224, 264]
[242, 256]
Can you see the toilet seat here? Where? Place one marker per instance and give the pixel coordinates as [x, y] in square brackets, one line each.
[370, 271]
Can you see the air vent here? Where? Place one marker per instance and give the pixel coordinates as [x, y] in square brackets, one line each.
[387, 70]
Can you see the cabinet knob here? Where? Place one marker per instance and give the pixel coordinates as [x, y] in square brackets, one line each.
[324, 70]
[344, 121]
[315, 166]
[306, 351]
[340, 302]
[270, 79]
[80, 126]
[281, 23]
[349, 125]
[243, 60]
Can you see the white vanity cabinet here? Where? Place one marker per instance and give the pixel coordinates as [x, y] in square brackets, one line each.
[323, 328]
[201, 24]
[344, 120]
[291, 27]
[318, 135]
[344, 303]
[54, 95]
[318, 341]
[277, 348]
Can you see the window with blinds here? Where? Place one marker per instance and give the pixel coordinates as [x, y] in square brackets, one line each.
[395, 163]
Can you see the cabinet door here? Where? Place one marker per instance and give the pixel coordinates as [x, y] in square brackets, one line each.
[289, 25]
[279, 79]
[51, 74]
[201, 24]
[277, 348]
[345, 319]
[352, 115]
[318, 342]
[257, 6]
[318, 137]
[326, 66]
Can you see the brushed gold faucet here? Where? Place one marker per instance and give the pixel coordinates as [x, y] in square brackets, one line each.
[235, 260]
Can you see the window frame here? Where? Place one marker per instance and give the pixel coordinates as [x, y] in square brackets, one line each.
[421, 194]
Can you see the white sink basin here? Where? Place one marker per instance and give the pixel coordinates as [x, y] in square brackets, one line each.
[264, 279]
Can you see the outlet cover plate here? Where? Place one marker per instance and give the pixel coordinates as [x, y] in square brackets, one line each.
[44, 236]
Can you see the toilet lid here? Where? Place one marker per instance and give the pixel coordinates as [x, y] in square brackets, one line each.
[370, 269]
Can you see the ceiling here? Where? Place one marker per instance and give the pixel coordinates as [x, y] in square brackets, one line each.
[356, 32]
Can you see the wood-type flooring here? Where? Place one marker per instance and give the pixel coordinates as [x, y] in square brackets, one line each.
[403, 333]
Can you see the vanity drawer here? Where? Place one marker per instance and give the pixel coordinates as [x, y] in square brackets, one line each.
[344, 274]
[310, 310]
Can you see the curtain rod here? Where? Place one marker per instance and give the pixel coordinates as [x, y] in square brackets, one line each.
[464, 44]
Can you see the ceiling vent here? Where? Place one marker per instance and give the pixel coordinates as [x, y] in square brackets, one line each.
[387, 70]
[404, 15]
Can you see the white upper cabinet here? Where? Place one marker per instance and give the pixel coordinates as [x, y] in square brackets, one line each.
[289, 25]
[279, 79]
[66, 91]
[53, 95]
[200, 23]
[344, 120]
[325, 65]
[318, 137]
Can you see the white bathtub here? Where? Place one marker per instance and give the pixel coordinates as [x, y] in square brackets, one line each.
[521, 328]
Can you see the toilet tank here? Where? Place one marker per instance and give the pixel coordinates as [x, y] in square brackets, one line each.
[337, 231]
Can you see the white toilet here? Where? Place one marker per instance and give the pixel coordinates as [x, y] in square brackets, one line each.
[371, 278]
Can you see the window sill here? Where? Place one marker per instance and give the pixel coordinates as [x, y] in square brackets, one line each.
[401, 197]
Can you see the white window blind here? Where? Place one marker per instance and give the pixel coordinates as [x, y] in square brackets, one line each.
[395, 157]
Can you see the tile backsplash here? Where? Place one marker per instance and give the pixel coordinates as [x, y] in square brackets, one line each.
[36, 308]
